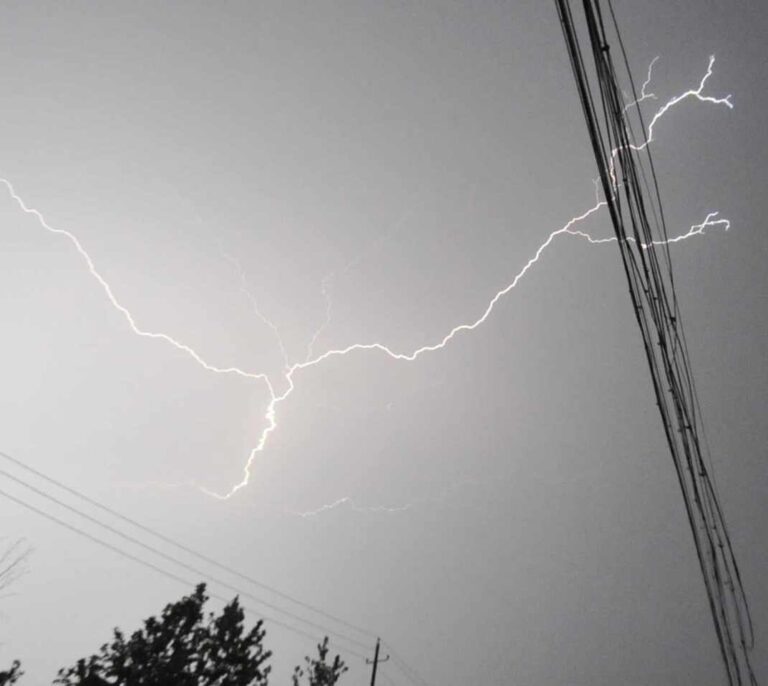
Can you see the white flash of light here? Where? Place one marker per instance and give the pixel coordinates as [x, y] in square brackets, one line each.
[270, 414]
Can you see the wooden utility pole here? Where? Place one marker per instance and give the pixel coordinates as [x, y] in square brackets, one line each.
[375, 661]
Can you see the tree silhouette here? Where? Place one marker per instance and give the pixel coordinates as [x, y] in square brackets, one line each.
[12, 565]
[319, 671]
[179, 648]
[10, 677]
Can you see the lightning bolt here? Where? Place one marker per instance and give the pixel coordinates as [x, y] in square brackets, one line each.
[697, 93]
[441, 496]
[325, 285]
[712, 219]
[245, 290]
[311, 360]
[329, 280]
[643, 95]
[352, 505]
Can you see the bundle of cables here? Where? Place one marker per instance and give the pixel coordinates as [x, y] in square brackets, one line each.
[631, 191]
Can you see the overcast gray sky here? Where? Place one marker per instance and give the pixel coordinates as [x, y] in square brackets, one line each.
[502, 510]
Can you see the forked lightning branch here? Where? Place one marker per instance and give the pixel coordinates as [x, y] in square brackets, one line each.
[291, 371]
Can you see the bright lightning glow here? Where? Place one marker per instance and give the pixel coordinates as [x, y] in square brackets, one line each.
[697, 93]
[311, 360]
[696, 230]
[117, 304]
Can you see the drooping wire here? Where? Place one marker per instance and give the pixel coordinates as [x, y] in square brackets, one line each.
[190, 568]
[160, 570]
[182, 547]
[632, 193]
[409, 672]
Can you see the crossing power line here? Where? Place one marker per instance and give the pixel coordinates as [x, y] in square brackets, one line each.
[135, 558]
[409, 672]
[632, 194]
[190, 551]
[324, 628]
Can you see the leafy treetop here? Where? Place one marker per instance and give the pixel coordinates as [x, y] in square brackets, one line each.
[183, 648]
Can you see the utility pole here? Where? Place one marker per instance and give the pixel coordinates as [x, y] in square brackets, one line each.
[375, 661]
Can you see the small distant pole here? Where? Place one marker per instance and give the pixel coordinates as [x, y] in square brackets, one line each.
[375, 661]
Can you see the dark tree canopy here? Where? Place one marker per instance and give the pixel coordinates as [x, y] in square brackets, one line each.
[10, 676]
[186, 647]
[182, 647]
[319, 671]
[12, 565]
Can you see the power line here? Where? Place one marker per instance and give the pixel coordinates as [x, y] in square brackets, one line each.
[387, 679]
[154, 567]
[634, 203]
[184, 548]
[409, 672]
[180, 563]
[376, 661]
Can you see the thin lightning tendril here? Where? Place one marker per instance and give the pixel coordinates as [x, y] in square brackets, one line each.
[325, 286]
[643, 95]
[435, 499]
[693, 93]
[352, 505]
[255, 306]
[270, 416]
